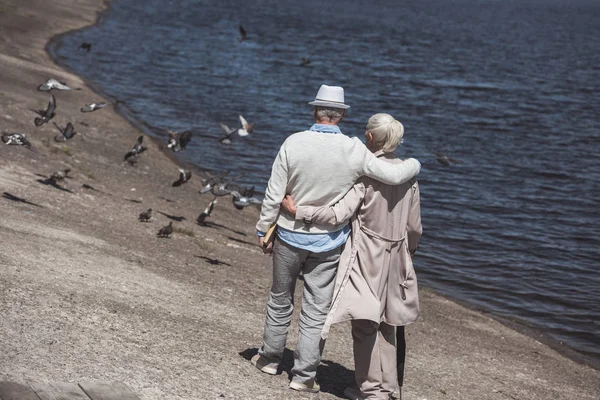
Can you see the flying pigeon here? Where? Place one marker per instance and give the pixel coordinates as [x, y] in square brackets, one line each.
[85, 46]
[243, 34]
[18, 139]
[67, 132]
[444, 160]
[47, 114]
[92, 107]
[145, 216]
[165, 231]
[223, 189]
[179, 140]
[54, 84]
[136, 150]
[228, 134]
[241, 201]
[61, 175]
[207, 212]
[246, 127]
[184, 176]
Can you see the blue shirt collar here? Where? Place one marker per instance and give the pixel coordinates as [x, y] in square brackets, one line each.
[325, 128]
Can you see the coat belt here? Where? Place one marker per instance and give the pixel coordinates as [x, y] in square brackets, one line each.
[381, 237]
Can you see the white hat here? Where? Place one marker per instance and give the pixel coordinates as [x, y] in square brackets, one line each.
[330, 96]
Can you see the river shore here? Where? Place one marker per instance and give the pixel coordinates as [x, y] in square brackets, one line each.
[89, 293]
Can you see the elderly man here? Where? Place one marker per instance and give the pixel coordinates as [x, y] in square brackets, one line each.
[316, 167]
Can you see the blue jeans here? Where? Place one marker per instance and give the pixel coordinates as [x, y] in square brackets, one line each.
[319, 271]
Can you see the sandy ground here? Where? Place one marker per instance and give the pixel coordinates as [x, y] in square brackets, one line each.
[89, 293]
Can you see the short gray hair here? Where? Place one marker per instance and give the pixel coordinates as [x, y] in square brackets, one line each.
[329, 114]
[387, 132]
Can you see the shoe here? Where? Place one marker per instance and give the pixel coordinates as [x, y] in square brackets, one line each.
[396, 394]
[353, 393]
[263, 364]
[309, 386]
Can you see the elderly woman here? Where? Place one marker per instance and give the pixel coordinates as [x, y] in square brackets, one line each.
[376, 286]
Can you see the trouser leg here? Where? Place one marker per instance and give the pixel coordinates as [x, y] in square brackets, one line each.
[400, 353]
[386, 342]
[374, 358]
[367, 371]
[287, 263]
[319, 273]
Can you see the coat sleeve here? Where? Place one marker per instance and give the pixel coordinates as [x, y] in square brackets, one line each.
[414, 227]
[336, 214]
[386, 172]
[275, 191]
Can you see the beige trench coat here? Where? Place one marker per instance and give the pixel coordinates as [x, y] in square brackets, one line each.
[375, 279]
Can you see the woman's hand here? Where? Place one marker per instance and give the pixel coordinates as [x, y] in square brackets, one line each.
[288, 205]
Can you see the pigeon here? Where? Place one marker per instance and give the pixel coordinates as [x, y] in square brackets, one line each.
[241, 201]
[85, 46]
[165, 231]
[135, 151]
[179, 140]
[92, 107]
[145, 216]
[54, 84]
[246, 127]
[208, 184]
[444, 160]
[304, 62]
[184, 176]
[18, 139]
[228, 134]
[243, 34]
[61, 175]
[207, 212]
[47, 114]
[67, 132]
[223, 189]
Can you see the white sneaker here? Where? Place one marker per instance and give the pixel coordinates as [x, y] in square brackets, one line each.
[310, 386]
[264, 365]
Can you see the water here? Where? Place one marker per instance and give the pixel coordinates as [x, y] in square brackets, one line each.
[508, 88]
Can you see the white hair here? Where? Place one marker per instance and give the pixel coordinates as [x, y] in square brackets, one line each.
[387, 132]
[329, 114]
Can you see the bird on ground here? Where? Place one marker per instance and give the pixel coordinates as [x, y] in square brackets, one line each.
[228, 134]
[85, 46]
[18, 139]
[241, 201]
[179, 140]
[165, 231]
[92, 107]
[207, 212]
[61, 175]
[246, 127]
[223, 189]
[67, 132]
[444, 160]
[54, 84]
[184, 176]
[47, 114]
[305, 62]
[243, 34]
[136, 150]
[145, 216]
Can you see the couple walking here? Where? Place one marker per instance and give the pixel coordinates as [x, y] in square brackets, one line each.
[338, 202]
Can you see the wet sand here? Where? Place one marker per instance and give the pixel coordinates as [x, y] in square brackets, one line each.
[89, 293]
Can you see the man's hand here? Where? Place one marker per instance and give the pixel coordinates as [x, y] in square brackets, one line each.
[288, 205]
[268, 249]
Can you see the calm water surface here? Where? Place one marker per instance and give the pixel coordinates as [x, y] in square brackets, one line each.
[508, 88]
